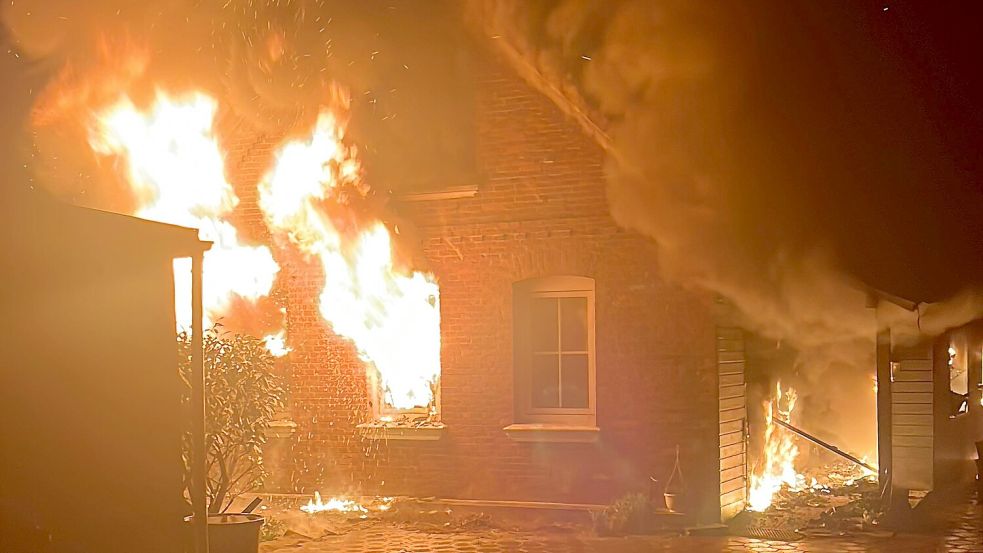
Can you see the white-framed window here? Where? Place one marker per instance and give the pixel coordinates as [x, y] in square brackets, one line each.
[553, 338]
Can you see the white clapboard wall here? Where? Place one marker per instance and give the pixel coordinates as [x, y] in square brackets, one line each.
[912, 432]
[733, 421]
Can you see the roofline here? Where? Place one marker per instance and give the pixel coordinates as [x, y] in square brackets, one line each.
[192, 240]
[874, 296]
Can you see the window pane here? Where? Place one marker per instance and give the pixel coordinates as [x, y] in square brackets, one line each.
[576, 381]
[543, 324]
[573, 320]
[545, 381]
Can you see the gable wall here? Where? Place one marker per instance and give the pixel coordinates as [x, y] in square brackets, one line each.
[540, 210]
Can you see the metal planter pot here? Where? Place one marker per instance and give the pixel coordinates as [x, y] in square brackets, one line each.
[233, 532]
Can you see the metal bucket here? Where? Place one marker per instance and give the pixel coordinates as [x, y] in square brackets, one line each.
[233, 532]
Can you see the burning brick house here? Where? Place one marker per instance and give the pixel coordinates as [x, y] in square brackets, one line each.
[494, 337]
[568, 370]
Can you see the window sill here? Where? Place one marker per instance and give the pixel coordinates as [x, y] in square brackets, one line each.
[281, 429]
[389, 431]
[552, 433]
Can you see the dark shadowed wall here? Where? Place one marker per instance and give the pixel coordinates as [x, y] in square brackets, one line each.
[90, 451]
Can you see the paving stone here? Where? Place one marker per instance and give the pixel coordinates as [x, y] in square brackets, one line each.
[961, 532]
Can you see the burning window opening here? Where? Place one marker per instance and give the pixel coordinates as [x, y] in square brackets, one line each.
[391, 314]
[385, 413]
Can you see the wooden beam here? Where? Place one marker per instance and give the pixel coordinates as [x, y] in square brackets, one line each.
[828, 446]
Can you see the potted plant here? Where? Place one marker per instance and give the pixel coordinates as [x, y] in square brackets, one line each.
[242, 397]
[675, 488]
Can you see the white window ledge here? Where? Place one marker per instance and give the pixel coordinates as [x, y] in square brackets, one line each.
[281, 429]
[552, 433]
[390, 431]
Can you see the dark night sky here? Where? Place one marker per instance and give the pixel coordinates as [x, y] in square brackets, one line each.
[904, 205]
[881, 108]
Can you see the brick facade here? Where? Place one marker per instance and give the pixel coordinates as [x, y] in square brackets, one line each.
[540, 210]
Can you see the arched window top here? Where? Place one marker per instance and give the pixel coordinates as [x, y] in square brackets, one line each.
[556, 283]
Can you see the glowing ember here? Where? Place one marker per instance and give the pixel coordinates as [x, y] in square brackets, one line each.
[779, 454]
[391, 315]
[175, 168]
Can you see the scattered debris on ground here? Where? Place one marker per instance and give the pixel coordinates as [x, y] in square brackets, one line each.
[289, 517]
[839, 499]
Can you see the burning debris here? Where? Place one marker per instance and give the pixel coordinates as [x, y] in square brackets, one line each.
[777, 472]
[344, 505]
[409, 421]
[829, 500]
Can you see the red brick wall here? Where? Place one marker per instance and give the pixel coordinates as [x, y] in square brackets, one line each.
[540, 210]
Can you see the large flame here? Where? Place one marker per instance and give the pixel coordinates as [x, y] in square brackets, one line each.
[176, 170]
[780, 452]
[392, 316]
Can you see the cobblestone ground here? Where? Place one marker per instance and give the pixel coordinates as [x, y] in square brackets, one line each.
[953, 529]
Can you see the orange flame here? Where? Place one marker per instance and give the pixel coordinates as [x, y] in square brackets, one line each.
[392, 316]
[343, 505]
[778, 468]
[317, 505]
[176, 170]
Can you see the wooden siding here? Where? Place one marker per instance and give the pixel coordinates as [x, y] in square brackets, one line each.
[912, 430]
[732, 421]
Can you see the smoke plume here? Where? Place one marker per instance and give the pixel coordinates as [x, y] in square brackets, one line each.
[720, 157]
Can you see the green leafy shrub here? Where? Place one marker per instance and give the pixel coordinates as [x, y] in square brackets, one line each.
[272, 529]
[631, 514]
[242, 397]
